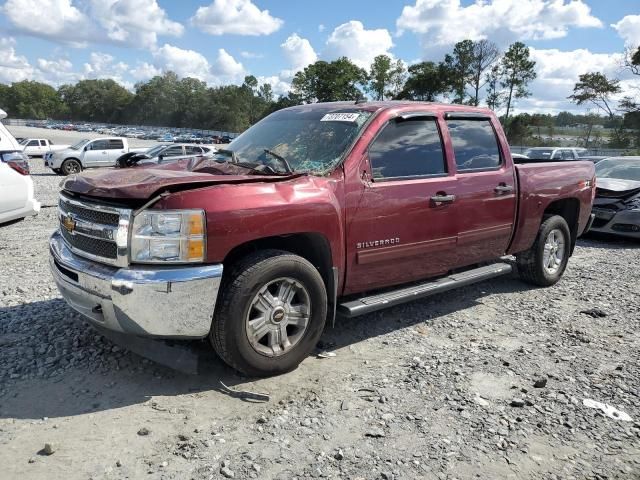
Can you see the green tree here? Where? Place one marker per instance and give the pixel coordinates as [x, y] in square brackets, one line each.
[495, 98]
[597, 89]
[385, 77]
[460, 66]
[156, 100]
[484, 55]
[96, 100]
[329, 81]
[30, 99]
[5, 95]
[266, 93]
[426, 81]
[517, 70]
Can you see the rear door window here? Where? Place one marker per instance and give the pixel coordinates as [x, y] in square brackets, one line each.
[43, 143]
[116, 144]
[475, 145]
[407, 149]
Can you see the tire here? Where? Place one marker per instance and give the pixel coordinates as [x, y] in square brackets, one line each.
[57, 171]
[238, 312]
[554, 237]
[70, 166]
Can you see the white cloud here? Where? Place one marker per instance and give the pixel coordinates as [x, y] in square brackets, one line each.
[103, 65]
[55, 19]
[298, 52]
[240, 17]
[444, 22]
[56, 72]
[247, 54]
[278, 85]
[185, 63]
[144, 71]
[352, 40]
[134, 23]
[629, 29]
[13, 67]
[558, 71]
[189, 63]
[321, 28]
[227, 67]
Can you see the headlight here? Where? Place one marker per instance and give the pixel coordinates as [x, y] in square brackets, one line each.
[168, 236]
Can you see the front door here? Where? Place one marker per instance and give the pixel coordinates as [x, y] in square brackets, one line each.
[97, 154]
[486, 190]
[403, 227]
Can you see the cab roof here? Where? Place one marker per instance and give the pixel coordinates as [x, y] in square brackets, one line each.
[374, 106]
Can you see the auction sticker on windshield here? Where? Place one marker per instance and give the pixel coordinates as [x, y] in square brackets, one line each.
[340, 117]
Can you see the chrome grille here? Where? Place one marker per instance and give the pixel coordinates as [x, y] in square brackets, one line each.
[95, 216]
[95, 231]
[92, 246]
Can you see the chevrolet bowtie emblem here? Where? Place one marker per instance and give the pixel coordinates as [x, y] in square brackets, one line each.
[68, 223]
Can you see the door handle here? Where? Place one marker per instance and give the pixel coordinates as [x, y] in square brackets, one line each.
[503, 188]
[443, 198]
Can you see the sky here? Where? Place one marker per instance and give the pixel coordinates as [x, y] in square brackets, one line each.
[221, 41]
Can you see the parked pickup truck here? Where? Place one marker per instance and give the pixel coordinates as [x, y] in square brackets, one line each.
[38, 147]
[316, 210]
[99, 152]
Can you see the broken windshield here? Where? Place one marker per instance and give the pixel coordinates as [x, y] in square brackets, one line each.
[299, 140]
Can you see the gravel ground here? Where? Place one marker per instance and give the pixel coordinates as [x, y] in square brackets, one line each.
[484, 382]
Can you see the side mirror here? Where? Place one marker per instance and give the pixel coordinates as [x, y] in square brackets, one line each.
[86, 148]
[160, 157]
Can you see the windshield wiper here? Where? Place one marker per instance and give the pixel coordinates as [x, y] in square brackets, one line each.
[281, 158]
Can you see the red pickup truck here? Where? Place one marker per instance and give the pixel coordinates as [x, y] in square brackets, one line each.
[318, 209]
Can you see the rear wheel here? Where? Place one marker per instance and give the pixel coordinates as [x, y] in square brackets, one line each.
[70, 167]
[545, 262]
[270, 314]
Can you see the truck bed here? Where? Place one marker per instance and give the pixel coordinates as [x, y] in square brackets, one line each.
[539, 185]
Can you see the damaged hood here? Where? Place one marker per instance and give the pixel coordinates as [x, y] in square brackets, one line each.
[142, 183]
[616, 187]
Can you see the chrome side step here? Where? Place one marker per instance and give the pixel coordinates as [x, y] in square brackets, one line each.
[369, 304]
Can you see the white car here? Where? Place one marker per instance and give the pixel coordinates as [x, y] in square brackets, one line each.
[555, 154]
[17, 200]
[16, 187]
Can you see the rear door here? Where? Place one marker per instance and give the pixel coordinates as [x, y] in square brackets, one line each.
[486, 189]
[116, 149]
[399, 232]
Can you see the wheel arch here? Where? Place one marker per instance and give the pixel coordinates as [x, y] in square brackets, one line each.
[569, 209]
[312, 246]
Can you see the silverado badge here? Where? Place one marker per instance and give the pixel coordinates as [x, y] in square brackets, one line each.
[68, 223]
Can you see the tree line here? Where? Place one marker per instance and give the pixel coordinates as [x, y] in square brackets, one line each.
[473, 73]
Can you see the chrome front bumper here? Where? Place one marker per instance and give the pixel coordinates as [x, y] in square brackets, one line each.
[167, 302]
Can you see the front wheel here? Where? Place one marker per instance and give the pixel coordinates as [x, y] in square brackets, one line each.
[70, 167]
[545, 262]
[270, 314]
